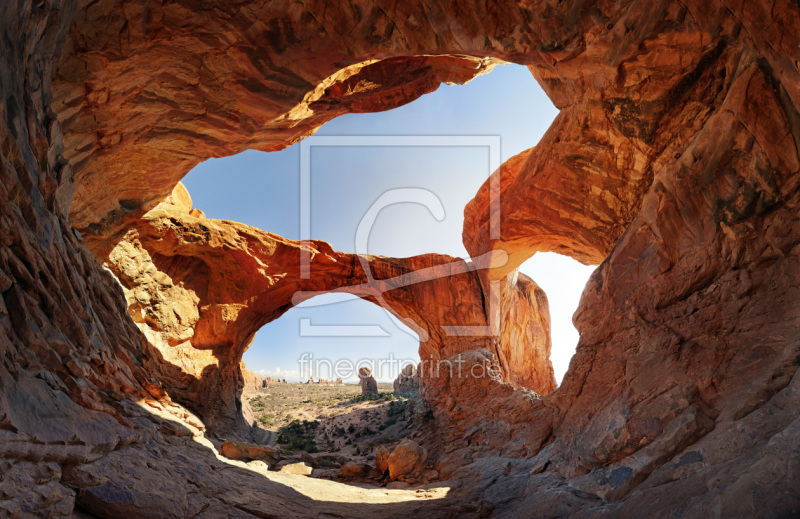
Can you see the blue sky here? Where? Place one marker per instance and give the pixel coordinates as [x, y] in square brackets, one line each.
[263, 190]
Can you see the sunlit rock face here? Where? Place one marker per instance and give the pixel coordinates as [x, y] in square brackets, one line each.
[673, 164]
[161, 86]
[199, 290]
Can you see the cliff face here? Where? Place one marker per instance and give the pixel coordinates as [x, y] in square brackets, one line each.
[673, 164]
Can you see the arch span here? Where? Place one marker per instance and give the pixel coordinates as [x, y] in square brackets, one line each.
[200, 289]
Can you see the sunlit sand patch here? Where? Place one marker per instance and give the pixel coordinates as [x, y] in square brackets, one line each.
[327, 490]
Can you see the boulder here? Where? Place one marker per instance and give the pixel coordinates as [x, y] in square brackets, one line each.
[352, 470]
[382, 459]
[246, 452]
[298, 469]
[407, 458]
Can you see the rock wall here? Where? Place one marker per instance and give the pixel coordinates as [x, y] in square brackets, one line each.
[673, 162]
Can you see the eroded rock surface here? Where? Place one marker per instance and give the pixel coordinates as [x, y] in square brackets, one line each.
[406, 458]
[199, 289]
[407, 380]
[673, 163]
[248, 452]
[368, 384]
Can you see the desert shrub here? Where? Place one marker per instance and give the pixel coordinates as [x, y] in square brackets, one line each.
[258, 404]
[296, 435]
[396, 407]
[387, 423]
[369, 397]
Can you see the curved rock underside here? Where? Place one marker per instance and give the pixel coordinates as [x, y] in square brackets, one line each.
[199, 289]
[673, 163]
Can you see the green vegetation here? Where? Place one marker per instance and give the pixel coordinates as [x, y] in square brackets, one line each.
[294, 411]
[387, 423]
[299, 435]
[258, 403]
[366, 398]
[397, 407]
[369, 397]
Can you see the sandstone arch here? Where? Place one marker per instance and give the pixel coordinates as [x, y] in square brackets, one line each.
[200, 289]
[685, 377]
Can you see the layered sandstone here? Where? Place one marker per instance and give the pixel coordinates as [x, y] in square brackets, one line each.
[673, 164]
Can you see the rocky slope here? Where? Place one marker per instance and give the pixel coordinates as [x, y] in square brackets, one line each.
[673, 163]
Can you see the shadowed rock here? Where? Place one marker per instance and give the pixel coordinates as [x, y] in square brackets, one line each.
[368, 384]
[407, 380]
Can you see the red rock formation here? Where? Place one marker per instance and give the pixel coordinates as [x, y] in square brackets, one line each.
[407, 380]
[382, 460]
[351, 470]
[274, 94]
[673, 162]
[251, 382]
[248, 452]
[405, 459]
[368, 384]
[200, 289]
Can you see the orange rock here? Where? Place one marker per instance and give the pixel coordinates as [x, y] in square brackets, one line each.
[247, 452]
[674, 162]
[382, 460]
[224, 280]
[407, 458]
[407, 380]
[351, 470]
[428, 475]
[252, 382]
[180, 198]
